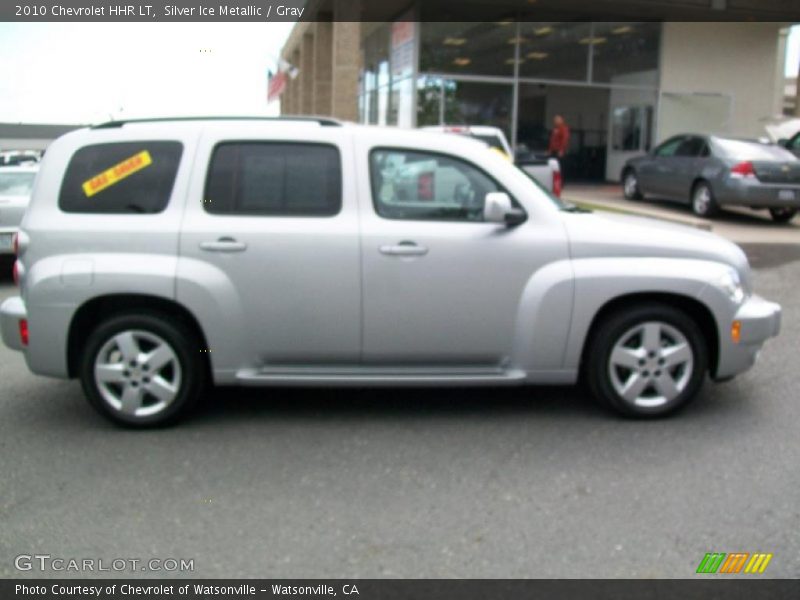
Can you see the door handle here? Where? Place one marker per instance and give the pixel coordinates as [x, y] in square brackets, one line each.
[224, 244]
[404, 249]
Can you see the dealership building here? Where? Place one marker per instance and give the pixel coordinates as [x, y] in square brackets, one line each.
[622, 85]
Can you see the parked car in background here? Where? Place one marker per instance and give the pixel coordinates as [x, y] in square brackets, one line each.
[158, 255]
[16, 184]
[709, 172]
[19, 157]
[792, 144]
[539, 166]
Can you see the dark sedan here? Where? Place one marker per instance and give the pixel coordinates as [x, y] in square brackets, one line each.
[708, 172]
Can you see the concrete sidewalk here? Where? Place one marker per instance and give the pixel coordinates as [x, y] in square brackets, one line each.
[740, 225]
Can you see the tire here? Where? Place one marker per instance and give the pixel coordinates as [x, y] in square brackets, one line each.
[704, 204]
[782, 215]
[630, 185]
[114, 370]
[655, 351]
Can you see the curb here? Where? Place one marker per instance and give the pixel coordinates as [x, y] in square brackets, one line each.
[599, 204]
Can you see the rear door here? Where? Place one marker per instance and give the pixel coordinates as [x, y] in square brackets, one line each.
[270, 241]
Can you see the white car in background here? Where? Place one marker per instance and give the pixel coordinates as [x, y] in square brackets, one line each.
[16, 184]
[540, 167]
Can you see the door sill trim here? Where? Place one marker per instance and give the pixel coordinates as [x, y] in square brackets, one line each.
[379, 376]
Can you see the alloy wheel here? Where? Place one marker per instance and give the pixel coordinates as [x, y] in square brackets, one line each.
[702, 200]
[630, 186]
[651, 364]
[137, 373]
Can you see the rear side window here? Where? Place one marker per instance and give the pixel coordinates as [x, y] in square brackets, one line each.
[274, 179]
[16, 184]
[124, 178]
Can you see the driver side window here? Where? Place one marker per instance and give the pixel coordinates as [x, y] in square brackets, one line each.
[427, 186]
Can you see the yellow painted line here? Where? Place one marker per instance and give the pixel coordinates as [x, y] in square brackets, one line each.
[758, 563]
[767, 558]
[117, 173]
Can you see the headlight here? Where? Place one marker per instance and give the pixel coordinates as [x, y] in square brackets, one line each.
[731, 284]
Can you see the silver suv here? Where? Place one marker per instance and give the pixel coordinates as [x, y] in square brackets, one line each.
[160, 256]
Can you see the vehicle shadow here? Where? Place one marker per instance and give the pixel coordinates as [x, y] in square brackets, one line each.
[231, 403]
[60, 406]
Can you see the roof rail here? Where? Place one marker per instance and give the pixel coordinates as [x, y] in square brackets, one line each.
[324, 121]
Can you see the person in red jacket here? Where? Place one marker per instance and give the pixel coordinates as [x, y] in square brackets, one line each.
[559, 138]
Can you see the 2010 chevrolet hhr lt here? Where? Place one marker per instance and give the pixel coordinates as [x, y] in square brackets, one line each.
[159, 256]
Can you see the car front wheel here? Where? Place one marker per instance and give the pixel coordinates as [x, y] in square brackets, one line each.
[630, 186]
[142, 370]
[647, 361]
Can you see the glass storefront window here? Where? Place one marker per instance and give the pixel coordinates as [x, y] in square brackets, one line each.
[555, 50]
[469, 103]
[468, 48]
[429, 100]
[585, 110]
[626, 53]
[627, 123]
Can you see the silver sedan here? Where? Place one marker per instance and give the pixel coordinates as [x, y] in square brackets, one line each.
[709, 172]
[16, 184]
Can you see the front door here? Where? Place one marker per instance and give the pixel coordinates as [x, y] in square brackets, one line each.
[441, 286]
[270, 242]
[658, 169]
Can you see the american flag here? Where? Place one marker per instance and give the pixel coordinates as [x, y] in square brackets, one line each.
[276, 84]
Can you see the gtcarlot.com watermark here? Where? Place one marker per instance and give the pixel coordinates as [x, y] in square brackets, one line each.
[46, 562]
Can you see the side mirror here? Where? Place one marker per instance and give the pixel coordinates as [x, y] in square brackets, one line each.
[497, 208]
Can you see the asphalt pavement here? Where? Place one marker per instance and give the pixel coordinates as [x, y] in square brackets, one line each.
[533, 482]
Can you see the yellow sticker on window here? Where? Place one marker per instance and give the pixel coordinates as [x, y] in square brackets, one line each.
[117, 173]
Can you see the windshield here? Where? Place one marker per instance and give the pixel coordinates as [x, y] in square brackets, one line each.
[745, 150]
[16, 184]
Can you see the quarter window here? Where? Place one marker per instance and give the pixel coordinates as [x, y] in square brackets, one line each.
[127, 178]
[274, 179]
[426, 186]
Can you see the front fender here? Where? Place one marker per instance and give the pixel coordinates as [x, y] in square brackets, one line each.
[599, 281]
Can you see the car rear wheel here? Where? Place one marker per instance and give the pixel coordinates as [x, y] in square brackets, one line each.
[142, 370]
[703, 201]
[782, 214]
[648, 361]
[630, 185]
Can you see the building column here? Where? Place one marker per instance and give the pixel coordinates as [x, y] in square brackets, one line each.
[286, 99]
[306, 76]
[297, 91]
[346, 60]
[323, 63]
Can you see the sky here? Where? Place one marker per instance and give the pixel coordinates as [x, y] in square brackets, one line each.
[90, 73]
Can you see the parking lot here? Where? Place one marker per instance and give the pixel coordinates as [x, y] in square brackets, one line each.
[418, 483]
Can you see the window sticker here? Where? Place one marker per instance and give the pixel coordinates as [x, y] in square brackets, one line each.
[117, 173]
